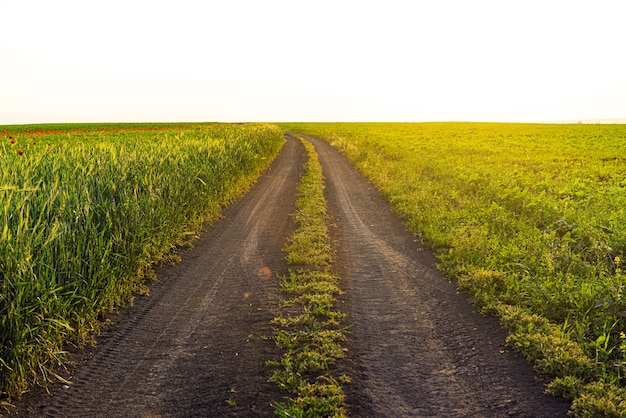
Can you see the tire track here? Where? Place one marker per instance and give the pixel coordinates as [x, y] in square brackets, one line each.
[416, 346]
[195, 342]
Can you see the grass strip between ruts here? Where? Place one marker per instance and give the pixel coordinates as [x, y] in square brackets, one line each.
[309, 331]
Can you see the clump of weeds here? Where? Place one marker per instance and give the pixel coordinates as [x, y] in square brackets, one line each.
[310, 331]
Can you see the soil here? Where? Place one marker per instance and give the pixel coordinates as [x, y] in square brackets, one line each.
[195, 346]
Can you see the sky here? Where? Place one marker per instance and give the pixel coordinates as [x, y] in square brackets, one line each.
[339, 60]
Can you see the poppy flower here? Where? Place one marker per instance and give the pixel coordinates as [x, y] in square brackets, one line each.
[12, 142]
[20, 152]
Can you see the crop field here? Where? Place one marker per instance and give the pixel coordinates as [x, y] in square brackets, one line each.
[528, 220]
[531, 222]
[87, 209]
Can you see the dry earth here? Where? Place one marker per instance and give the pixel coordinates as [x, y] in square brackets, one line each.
[194, 347]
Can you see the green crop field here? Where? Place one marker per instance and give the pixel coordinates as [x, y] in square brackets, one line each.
[531, 221]
[86, 209]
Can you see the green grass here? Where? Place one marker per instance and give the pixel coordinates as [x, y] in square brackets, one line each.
[309, 332]
[531, 221]
[86, 213]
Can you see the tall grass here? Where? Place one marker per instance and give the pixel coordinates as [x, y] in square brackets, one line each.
[84, 215]
[531, 220]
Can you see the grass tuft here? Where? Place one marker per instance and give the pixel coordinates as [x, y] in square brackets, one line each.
[310, 331]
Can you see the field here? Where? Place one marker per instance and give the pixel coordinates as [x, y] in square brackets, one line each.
[528, 220]
[531, 222]
[87, 209]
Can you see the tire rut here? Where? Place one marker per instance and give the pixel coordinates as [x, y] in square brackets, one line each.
[416, 347]
[194, 347]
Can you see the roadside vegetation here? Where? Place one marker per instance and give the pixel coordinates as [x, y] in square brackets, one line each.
[309, 332]
[87, 209]
[531, 222]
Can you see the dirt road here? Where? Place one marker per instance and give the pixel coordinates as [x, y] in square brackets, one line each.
[194, 347]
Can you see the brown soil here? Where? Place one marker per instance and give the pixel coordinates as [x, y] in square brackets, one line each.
[194, 346]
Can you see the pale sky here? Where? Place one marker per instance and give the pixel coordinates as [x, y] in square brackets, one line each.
[339, 60]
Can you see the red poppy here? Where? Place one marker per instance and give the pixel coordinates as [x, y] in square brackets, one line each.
[20, 152]
[10, 137]
[12, 142]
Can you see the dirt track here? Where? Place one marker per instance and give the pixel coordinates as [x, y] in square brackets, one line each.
[415, 346]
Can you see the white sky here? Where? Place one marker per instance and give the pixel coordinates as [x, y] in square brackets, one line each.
[338, 60]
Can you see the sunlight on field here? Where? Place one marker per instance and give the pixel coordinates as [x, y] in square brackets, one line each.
[531, 221]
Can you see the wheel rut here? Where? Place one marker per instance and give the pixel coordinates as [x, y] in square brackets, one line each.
[194, 346]
[416, 347]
